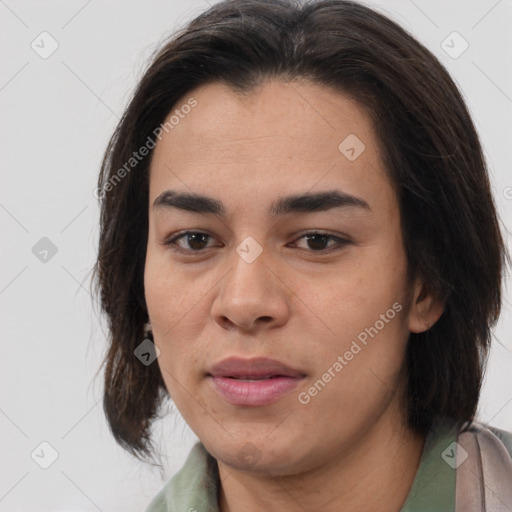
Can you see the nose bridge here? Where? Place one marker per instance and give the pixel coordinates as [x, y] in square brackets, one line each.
[250, 274]
[250, 289]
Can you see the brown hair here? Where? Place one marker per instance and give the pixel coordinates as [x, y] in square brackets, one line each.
[431, 150]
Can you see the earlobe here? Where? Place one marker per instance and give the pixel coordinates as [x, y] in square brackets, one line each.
[425, 311]
[147, 329]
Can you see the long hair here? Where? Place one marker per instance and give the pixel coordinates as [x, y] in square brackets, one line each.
[432, 154]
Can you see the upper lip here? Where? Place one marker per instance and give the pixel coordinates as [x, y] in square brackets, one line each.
[239, 367]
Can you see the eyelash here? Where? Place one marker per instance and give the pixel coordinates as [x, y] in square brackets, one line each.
[341, 242]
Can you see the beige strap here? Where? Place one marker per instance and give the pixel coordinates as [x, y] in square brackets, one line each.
[484, 472]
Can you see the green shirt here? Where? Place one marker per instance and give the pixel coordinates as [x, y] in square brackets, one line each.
[195, 487]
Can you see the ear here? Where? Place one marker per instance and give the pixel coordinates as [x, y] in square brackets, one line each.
[147, 329]
[425, 309]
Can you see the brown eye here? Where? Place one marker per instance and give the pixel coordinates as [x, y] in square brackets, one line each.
[319, 242]
[194, 241]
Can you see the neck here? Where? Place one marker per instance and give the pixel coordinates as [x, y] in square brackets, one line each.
[374, 474]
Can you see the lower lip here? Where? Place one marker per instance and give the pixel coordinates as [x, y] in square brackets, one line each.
[256, 393]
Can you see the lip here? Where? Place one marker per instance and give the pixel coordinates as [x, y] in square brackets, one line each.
[272, 380]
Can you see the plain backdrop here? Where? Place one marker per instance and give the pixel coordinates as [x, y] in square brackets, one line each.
[57, 114]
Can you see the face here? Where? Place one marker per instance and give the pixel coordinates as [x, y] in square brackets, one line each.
[279, 300]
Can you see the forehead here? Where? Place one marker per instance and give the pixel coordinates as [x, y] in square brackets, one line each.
[291, 110]
[279, 136]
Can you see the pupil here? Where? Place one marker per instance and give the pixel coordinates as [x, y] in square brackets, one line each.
[195, 238]
[315, 240]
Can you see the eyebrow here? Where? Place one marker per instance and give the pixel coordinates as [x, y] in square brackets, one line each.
[300, 203]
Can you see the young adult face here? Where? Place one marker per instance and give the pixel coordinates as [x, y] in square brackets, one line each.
[254, 286]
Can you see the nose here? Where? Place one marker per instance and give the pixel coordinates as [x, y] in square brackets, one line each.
[251, 296]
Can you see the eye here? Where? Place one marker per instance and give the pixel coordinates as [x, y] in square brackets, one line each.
[318, 242]
[197, 241]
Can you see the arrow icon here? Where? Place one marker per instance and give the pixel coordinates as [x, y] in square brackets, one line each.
[249, 454]
[44, 250]
[454, 45]
[454, 455]
[44, 45]
[44, 455]
[147, 352]
[351, 147]
[249, 249]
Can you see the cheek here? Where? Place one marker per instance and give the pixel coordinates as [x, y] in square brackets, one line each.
[353, 296]
[174, 307]
[360, 315]
[168, 294]
[357, 364]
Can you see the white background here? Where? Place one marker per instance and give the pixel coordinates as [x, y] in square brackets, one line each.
[56, 117]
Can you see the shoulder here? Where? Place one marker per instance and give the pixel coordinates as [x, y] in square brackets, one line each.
[490, 436]
[484, 467]
[504, 436]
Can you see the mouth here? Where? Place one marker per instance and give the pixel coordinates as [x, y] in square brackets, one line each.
[253, 382]
[254, 378]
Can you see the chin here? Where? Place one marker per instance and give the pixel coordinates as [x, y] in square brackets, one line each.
[276, 457]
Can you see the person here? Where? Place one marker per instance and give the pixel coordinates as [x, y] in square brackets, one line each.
[299, 246]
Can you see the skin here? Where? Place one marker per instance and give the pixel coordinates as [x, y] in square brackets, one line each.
[349, 448]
